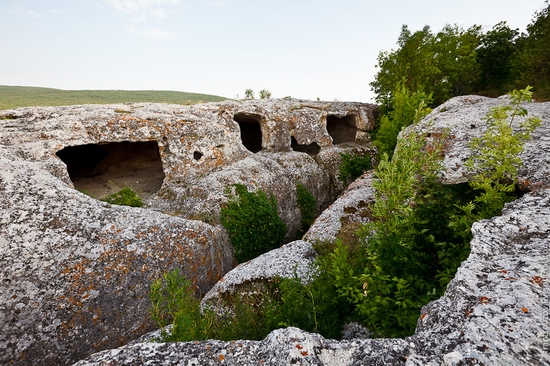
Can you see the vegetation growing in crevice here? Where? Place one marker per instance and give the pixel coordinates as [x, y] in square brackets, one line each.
[495, 160]
[252, 222]
[352, 167]
[174, 304]
[408, 253]
[408, 108]
[126, 196]
[308, 208]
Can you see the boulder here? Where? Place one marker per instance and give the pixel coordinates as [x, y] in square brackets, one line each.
[463, 118]
[294, 259]
[76, 271]
[345, 216]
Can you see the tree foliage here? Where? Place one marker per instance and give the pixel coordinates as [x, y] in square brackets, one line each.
[457, 61]
[532, 63]
[408, 107]
[442, 64]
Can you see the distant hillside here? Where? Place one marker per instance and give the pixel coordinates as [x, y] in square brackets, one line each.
[25, 96]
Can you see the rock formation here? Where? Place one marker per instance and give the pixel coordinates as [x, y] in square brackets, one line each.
[495, 310]
[76, 271]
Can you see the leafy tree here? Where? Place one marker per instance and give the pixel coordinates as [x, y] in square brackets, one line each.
[265, 94]
[456, 58]
[442, 64]
[412, 63]
[532, 64]
[249, 94]
[495, 56]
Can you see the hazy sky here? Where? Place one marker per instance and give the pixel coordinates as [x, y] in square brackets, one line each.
[300, 48]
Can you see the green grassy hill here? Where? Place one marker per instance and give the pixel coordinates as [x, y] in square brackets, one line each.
[25, 96]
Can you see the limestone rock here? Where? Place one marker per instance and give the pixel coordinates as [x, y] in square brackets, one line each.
[495, 310]
[290, 260]
[75, 271]
[464, 115]
[345, 216]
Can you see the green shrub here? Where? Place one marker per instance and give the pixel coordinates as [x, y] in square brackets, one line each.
[308, 207]
[265, 94]
[352, 167]
[252, 222]
[126, 196]
[173, 303]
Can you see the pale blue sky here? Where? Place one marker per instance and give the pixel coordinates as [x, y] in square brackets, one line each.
[301, 48]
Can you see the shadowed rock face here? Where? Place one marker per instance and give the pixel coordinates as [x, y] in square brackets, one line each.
[494, 312]
[100, 170]
[76, 271]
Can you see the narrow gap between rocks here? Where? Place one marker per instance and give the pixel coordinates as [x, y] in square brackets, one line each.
[103, 169]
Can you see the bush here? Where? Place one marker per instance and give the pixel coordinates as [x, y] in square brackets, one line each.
[126, 196]
[252, 222]
[173, 304]
[352, 167]
[265, 94]
[308, 207]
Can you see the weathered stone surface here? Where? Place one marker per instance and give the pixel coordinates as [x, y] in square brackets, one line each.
[464, 115]
[75, 271]
[290, 346]
[344, 217]
[290, 260]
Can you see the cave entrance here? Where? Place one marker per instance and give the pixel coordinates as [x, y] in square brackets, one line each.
[342, 129]
[311, 149]
[103, 169]
[251, 131]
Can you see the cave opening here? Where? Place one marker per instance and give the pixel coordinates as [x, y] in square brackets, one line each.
[103, 169]
[251, 131]
[311, 149]
[342, 129]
